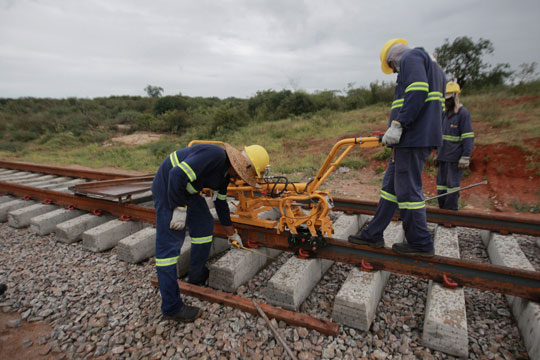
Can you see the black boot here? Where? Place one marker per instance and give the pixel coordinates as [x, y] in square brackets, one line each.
[406, 249]
[357, 239]
[201, 279]
[187, 314]
[3, 288]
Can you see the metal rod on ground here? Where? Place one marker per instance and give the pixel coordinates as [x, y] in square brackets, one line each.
[274, 331]
[454, 191]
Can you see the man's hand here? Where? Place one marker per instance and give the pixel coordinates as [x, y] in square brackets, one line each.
[393, 134]
[178, 221]
[235, 240]
[464, 162]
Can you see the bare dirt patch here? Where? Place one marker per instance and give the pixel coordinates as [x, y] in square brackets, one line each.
[22, 342]
[139, 138]
[511, 172]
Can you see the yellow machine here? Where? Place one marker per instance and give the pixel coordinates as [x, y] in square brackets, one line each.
[304, 210]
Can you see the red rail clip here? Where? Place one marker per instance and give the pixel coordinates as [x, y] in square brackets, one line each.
[97, 212]
[27, 197]
[449, 283]
[47, 201]
[302, 253]
[365, 266]
[70, 207]
[252, 244]
[125, 217]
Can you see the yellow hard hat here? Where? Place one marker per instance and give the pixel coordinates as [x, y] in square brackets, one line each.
[258, 157]
[452, 87]
[384, 52]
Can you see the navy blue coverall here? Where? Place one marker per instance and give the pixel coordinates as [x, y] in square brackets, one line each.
[458, 138]
[180, 178]
[418, 107]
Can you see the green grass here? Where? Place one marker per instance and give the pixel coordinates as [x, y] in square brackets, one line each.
[298, 144]
[524, 207]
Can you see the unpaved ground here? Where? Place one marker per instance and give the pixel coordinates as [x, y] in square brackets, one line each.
[138, 138]
[21, 340]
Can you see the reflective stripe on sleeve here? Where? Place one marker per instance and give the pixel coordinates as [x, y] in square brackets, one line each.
[397, 103]
[418, 86]
[190, 189]
[188, 170]
[467, 135]
[451, 138]
[221, 196]
[174, 159]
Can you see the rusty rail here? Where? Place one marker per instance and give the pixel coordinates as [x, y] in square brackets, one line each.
[482, 276]
[290, 317]
[466, 218]
[58, 170]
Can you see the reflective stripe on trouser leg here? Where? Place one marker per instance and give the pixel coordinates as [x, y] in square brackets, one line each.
[441, 183]
[385, 209]
[408, 185]
[449, 180]
[168, 245]
[201, 229]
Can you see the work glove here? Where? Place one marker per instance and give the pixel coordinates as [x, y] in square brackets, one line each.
[178, 221]
[436, 162]
[393, 134]
[464, 162]
[235, 240]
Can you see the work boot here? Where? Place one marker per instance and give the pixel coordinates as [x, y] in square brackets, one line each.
[3, 288]
[406, 249]
[187, 314]
[358, 240]
[200, 281]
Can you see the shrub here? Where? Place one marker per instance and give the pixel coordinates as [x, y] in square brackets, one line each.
[126, 117]
[176, 120]
[168, 103]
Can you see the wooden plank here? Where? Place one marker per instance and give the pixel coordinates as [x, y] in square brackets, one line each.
[290, 317]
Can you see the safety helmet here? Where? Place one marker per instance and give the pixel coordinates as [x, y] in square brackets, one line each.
[258, 157]
[452, 87]
[384, 53]
[249, 163]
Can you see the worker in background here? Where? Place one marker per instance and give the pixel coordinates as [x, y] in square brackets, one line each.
[455, 153]
[414, 130]
[175, 189]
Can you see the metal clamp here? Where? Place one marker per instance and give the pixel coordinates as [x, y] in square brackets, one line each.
[365, 266]
[449, 283]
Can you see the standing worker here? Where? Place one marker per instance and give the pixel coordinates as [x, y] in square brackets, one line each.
[414, 131]
[455, 153]
[175, 189]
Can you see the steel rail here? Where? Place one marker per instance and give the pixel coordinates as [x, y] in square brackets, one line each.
[500, 223]
[57, 170]
[516, 282]
[493, 222]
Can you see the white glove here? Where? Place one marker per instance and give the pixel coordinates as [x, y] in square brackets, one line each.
[178, 221]
[393, 134]
[464, 162]
[235, 240]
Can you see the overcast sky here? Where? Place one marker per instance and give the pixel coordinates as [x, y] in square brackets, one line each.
[99, 48]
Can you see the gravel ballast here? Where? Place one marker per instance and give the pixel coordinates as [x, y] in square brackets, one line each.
[98, 305]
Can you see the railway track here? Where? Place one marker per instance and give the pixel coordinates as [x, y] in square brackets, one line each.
[50, 187]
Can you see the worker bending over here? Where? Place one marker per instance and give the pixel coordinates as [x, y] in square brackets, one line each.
[175, 189]
[414, 131]
[455, 153]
